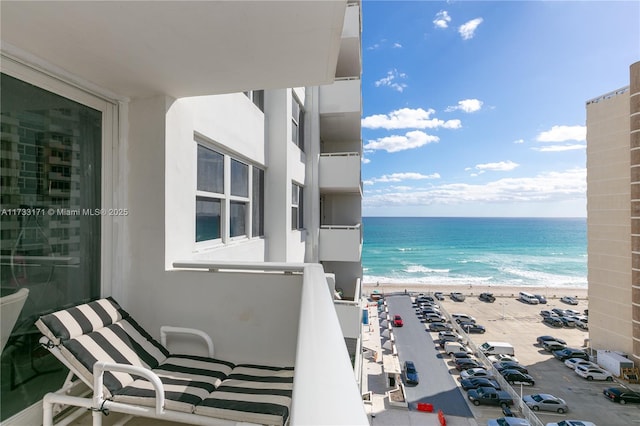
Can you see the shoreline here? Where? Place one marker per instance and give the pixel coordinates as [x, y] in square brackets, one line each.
[473, 289]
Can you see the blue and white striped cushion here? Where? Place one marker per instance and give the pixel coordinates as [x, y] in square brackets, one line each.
[254, 394]
[82, 319]
[187, 381]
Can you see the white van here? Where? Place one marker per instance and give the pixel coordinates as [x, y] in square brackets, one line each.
[452, 347]
[495, 348]
[529, 298]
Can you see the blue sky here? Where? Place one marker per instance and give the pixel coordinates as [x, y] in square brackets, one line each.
[475, 108]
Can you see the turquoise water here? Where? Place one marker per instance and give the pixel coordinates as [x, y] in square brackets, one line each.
[483, 251]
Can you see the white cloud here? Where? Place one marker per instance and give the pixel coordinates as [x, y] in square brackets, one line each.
[563, 133]
[395, 143]
[399, 177]
[390, 80]
[502, 166]
[519, 141]
[442, 19]
[466, 105]
[468, 29]
[552, 186]
[560, 148]
[365, 160]
[407, 118]
[397, 45]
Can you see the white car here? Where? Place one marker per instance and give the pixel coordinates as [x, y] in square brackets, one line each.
[572, 423]
[502, 357]
[572, 363]
[593, 373]
[476, 372]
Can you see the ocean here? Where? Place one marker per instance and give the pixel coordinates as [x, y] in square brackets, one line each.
[483, 251]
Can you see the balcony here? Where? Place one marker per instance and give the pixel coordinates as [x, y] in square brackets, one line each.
[340, 243]
[340, 172]
[235, 303]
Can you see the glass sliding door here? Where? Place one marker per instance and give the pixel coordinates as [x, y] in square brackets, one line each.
[51, 166]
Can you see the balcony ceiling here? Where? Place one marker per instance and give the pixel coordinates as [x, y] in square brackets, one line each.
[180, 48]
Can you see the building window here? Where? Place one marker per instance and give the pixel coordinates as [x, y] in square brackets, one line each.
[257, 97]
[296, 207]
[297, 123]
[257, 203]
[226, 211]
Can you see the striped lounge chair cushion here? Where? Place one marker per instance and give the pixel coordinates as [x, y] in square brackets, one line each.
[252, 393]
[187, 381]
[124, 342]
[82, 319]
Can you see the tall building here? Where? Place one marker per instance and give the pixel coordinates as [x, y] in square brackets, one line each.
[200, 163]
[613, 218]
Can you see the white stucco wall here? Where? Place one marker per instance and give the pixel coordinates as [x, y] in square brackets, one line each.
[231, 124]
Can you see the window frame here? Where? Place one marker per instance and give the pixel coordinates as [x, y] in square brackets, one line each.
[297, 206]
[227, 198]
[297, 122]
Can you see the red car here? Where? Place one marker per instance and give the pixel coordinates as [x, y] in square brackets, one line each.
[397, 321]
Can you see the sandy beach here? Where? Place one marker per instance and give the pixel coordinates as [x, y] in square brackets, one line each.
[474, 290]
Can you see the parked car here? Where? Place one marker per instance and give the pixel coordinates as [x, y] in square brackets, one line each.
[593, 373]
[571, 423]
[449, 336]
[545, 402]
[502, 357]
[433, 317]
[508, 421]
[462, 318]
[487, 297]
[541, 298]
[397, 321]
[514, 377]
[545, 313]
[541, 339]
[566, 353]
[509, 365]
[621, 395]
[410, 373]
[438, 295]
[559, 312]
[453, 347]
[466, 363]
[571, 312]
[582, 322]
[457, 297]
[553, 321]
[460, 354]
[552, 345]
[440, 326]
[471, 327]
[476, 372]
[489, 396]
[569, 300]
[572, 363]
[478, 382]
[568, 321]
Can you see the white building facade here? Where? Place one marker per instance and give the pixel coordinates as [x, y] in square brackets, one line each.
[196, 161]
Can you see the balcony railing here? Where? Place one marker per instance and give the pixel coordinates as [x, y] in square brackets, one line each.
[340, 172]
[341, 243]
[325, 390]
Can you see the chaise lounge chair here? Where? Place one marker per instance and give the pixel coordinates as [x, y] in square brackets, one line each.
[130, 372]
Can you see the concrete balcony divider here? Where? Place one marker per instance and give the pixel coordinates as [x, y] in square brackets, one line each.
[340, 243]
[350, 317]
[340, 172]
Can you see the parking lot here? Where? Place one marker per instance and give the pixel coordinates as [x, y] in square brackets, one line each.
[518, 323]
